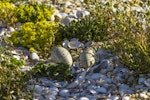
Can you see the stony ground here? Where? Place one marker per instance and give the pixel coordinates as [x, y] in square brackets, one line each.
[106, 79]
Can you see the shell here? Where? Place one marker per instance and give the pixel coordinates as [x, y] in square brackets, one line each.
[87, 58]
[60, 54]
[73, 44]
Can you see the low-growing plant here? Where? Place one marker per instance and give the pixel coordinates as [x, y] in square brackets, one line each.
[59, 72]
[12, 80]
[39, 36]
[7, 13]
[86, 29]
[129, 34]
[33, 12]
[122, 29]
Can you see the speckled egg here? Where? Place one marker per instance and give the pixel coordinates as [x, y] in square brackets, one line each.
[60, 54]
[87, 58]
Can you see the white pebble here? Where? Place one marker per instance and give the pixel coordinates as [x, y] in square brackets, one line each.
[64, 92]
[83, 98]
[16, 56]
[147, 82]
[34, 56]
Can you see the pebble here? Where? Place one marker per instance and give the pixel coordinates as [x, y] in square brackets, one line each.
[64, 92]
[141, 80]
[34, 56]
[101, 90]
[84, 98]
[147, 82]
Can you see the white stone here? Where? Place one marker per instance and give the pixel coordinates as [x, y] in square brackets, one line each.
[63, 15]
[58, 15]
[141, 80]
[92, 91]
[147, 82]
[64, 92]
[114, 97]
[2, 31]
[126, 98]
[38, 89]
[138, 9]
[74, 44]
[101, 90]
[85, 13]
[65, 43]
[143, 95]
[34, 56]
[16, 56]
[67, 4]
[10, 29]
[83, 98]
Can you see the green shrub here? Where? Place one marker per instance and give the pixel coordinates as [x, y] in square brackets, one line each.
[60, 72]
[7, 13]
[121, 30]
[128, 36]
[33, 12]
[39, 36]
[85, 29]
[12, 81]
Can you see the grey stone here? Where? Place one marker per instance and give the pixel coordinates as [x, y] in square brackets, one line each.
[64, 92]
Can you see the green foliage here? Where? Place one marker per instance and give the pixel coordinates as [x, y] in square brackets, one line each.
[60, 72]
[128, 36]
[88, 28]
[7, 13]
[122, 31]
[39, 36]
[12, 81]
[33, 12]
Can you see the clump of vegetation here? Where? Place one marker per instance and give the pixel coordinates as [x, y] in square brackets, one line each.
[39, 36]
[7, 13]
[33, 12]
[123, 31]
[59, 72]
[12, 81]
[128, 33]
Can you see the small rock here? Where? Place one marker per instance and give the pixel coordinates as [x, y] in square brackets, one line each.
[2, 31]
[10, 29]
[96, 76]
[34, 56]
[114, 97]
[64, 92]
[144, 96]
[66, 4]
[65, 43]
[147, 82]
[38, 89]
[16, 56]
[126, 98]
[101, 90]
[141, 80]
[83, 98]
